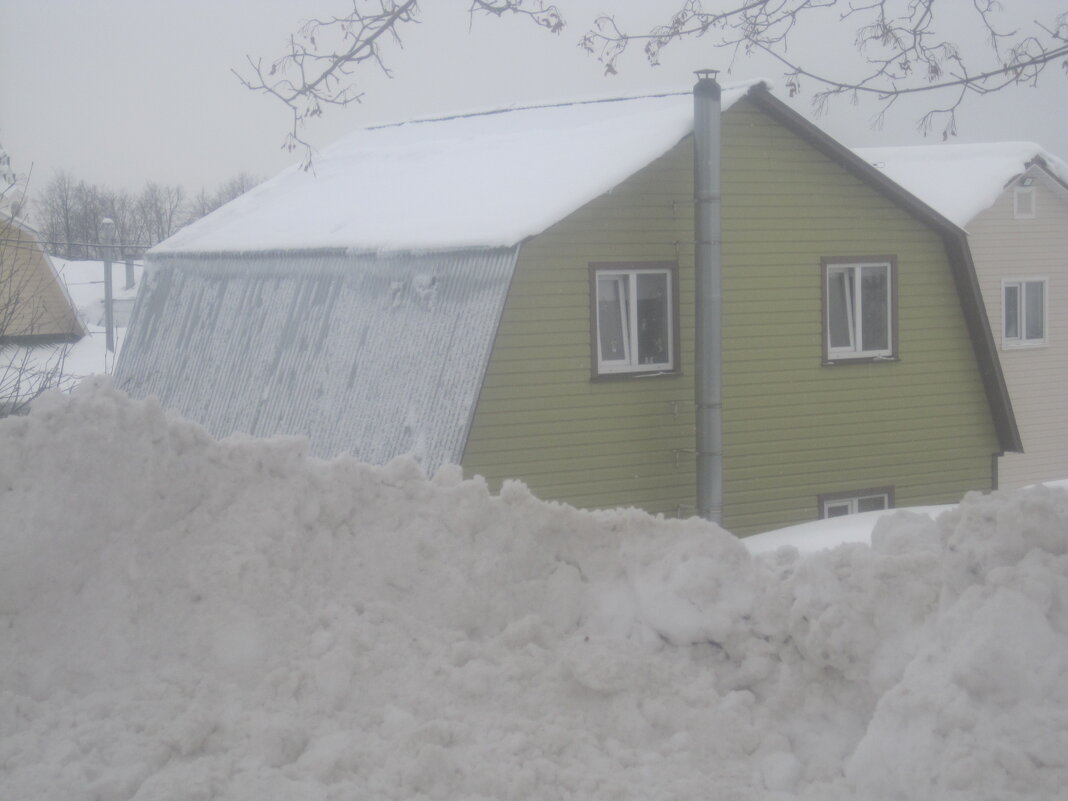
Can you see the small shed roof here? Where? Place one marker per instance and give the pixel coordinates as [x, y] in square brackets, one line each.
[960, 181]
[487, 179]
[34, 302]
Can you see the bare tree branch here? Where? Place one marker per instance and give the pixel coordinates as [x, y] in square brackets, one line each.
[322, 55]
[901, 44]
[317, 71]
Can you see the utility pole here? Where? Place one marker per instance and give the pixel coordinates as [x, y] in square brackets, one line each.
[107, 225]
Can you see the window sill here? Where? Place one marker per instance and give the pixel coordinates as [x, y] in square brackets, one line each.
[843, 360]
[1024, 345]
[635, 374]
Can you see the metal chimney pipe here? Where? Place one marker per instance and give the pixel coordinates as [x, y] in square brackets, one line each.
[708, 346]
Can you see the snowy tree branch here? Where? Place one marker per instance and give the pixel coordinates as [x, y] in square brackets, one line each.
[900, 44]
[318, 69]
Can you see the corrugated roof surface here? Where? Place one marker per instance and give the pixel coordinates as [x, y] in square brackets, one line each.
[479, 180]
[371, 356]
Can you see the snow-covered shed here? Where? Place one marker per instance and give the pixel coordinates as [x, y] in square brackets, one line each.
[1012, 197]
[513, 291]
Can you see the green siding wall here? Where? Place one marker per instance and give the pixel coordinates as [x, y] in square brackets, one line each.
[792, 428]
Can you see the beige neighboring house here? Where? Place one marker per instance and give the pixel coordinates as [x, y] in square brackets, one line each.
[34, 305]
[1012, 198]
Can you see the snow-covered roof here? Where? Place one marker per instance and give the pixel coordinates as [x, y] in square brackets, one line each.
[479, 180]
[959, 181]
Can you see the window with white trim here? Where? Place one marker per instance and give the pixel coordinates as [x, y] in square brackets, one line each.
[634, 326]
[1023, 312]
[858, 310]
[842, 504]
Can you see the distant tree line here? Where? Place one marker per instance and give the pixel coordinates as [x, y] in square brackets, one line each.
[69, 212]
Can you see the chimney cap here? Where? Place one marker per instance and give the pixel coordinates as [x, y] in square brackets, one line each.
[706, 73]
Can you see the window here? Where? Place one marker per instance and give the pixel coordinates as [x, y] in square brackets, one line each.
[1023, 202]
[850, 503]
[859, 309]
[634, 318]
[1023, 312]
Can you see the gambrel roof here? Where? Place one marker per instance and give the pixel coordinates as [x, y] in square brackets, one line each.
[312, 303]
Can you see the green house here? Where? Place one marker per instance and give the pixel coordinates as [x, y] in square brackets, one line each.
[514, 292]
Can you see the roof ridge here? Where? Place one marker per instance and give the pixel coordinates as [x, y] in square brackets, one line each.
[745, 85]
[532, 107]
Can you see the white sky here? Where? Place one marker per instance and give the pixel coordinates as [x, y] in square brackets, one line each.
[118, 92]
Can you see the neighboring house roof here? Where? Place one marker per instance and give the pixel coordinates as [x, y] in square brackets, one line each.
[28, 367]
[289, 264]
[962, 180]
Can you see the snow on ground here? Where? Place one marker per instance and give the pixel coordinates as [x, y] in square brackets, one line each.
[818, 535]
[184, 618]
[85, 285]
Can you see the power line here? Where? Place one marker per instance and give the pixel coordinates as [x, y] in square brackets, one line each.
[27, 241]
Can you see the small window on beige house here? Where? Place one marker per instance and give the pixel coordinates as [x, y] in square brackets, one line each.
[1023, 202]
[634, 317]
[840, 504]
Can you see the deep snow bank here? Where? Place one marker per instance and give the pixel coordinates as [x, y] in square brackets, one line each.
[188, 619]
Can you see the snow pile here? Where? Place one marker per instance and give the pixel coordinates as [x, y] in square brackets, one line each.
[819, 535]
[182, 618]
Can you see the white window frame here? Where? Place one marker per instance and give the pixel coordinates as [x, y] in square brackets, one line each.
[1021, 340]
[1020, 209]
[855, 310]
[851, 501]
[628, 275]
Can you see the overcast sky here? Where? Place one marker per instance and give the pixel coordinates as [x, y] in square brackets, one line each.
[118, 92]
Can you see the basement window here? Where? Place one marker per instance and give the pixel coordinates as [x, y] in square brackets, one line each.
[1023, 313]
[859, 310]
[634, 318]
[841, 504]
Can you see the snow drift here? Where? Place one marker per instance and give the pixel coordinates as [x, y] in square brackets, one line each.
[184, 618]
